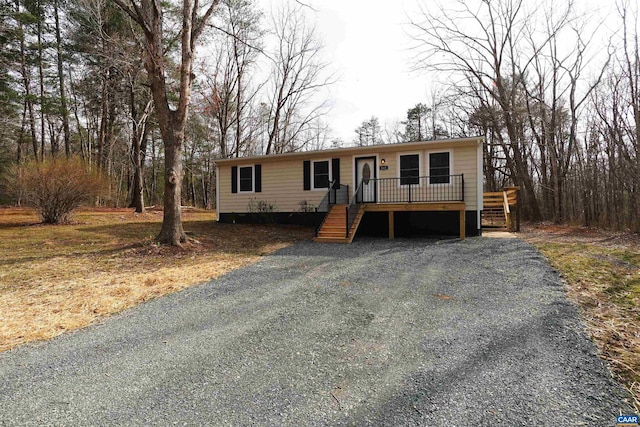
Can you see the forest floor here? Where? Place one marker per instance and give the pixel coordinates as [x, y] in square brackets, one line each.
[55, 278]
[602, 274]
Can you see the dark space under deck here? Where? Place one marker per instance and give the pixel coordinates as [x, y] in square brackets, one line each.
[418, 224]
[375, 224]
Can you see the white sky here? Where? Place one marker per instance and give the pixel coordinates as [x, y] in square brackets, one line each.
[366, 46]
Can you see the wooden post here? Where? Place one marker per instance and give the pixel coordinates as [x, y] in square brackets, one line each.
[391, 229]
[514, 197]
[518, 209]
[462, 225]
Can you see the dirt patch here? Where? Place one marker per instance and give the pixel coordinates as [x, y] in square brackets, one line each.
[546, 232]
[602, 274]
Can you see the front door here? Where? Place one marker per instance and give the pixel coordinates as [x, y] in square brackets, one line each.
[366, 173]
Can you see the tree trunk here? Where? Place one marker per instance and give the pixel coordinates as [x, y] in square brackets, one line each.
[149, 15]
[63, 95]
[172, 232]
[41, 77]
[102, 135]
[138, 146]
[26, 81]
[153, 191]
[137, 189]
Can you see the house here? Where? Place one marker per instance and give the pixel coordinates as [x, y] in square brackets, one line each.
[392, 189]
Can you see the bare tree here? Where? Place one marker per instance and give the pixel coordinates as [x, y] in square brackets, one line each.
[393, 132]
[476, 42]
[61, 81]
[520, 69]
[149, 15]
[25, 74]
[616, 130]
[490, 48]
[297, 74]
[551, 79]
[229, 90]
[631, 67]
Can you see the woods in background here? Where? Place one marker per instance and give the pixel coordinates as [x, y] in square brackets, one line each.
[553, 88]
[73, 81]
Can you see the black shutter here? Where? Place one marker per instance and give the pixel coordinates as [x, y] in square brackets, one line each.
[335, 169]
[307, 174]
[257, 170]
[234, 179]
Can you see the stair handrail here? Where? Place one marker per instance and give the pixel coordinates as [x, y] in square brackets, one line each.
[507, 210]
[353, 208]
[341, 194]
[324, 204]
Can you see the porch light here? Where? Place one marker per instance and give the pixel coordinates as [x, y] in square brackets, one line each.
[383, 161]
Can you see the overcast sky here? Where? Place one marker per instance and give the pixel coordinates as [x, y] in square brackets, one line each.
[367, 48]
[367, 44]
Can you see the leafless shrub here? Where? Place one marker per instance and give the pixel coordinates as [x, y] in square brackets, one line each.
[55, 187]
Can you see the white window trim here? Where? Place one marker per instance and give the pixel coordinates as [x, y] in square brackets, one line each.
[420, 161]
[253, 179]
[428, 165]
[313, 168]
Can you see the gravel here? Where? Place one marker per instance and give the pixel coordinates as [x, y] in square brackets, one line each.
[379, 332]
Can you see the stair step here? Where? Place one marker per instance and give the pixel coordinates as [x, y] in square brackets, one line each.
[330, 228]
[333, 235]
[342, 221]
[334, 226]
[330, 240]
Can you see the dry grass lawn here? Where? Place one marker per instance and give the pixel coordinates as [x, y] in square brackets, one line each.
[58, 278]
[602, 273]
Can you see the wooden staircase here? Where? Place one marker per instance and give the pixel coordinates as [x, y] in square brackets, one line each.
[334, 227]
[498, 209]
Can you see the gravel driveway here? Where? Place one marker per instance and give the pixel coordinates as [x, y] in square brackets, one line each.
[404, 332]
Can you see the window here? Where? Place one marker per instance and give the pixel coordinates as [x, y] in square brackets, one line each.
[321, 176]
[439, 168]
[409, 169]
[246, 178]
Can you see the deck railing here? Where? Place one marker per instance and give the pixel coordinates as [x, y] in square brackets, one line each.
[338, 194]
[420, 189]
[353, 208]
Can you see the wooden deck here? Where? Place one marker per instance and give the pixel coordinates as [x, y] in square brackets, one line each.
[404, 207]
